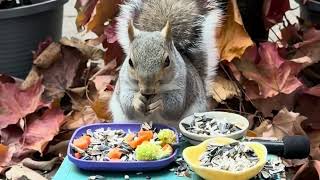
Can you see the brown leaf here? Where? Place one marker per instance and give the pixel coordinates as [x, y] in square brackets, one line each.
[31, 78]
[315, 91]
[50, 55]
[65, 73]
[262, 128]
[104, 11]
[278, 102]
[285, 123]
[18, 171]
[232, 38]
[85, 9]
[308, 105]
[16, 103]
[310, 46]
[310, 170]
[222, 89]
[39, 165]
[90, 52]
[314, 137]
[114, 51]
[42, 130]
[80, 118]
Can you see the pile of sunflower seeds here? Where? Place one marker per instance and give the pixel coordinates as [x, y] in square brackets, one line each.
[210, 126]
[182, 170]
[232, 157]
[271, 170]
[102, 141]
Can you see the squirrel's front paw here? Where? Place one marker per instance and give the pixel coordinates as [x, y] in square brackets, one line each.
[156, 105]
[139, 103]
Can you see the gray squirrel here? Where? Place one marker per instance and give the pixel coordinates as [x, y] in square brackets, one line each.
[170, 58]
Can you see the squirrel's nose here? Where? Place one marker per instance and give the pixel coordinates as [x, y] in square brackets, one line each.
[147, 96]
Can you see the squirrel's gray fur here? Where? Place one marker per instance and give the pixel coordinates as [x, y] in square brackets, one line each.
[149, 31]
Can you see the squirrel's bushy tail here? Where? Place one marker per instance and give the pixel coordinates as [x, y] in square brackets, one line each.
[193, 25]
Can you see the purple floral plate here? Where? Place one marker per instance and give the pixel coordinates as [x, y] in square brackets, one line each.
[118, 165]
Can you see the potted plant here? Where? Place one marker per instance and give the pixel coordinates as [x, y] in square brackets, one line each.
[23, 24]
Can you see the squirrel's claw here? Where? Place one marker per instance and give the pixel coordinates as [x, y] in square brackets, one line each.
[139, 103]
[157, 106]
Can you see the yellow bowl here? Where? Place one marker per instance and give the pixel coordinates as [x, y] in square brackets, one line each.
[191, 155]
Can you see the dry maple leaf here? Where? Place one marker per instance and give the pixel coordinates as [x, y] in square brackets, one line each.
[15, 103]
[85, 9]
[314, 136]
[278, 102]
[65, 73]
[271, 73]
[310, 46]
[274, 11]
[103, 12]
[315, 91]
[232, 38]
[308, 105]
[309, 171]
[285, 123]
[222, 89]
[41, 130]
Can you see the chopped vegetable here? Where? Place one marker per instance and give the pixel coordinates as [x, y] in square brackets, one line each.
[129, 137]
[166, 151]
[77, 155]
[114, 153]
[82, 142]
[148, 151]
[138, 141]
[167, 136]
[147, 134]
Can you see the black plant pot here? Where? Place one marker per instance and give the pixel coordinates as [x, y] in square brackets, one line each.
[311, 11]
[22, 28]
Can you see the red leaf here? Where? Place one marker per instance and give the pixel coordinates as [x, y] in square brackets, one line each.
[114, 51]
[110, 32]
[272, 73]
[310, 170]
[274, 11]
[16, 103]
[42, 130]
[315, 91]
[42, 46]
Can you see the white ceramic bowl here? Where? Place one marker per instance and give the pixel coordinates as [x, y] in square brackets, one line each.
[233, 118]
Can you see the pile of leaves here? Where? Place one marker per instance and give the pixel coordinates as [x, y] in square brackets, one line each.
[69, 86]
[274, 84]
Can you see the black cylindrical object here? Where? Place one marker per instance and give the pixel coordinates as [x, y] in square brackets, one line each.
[22, 28]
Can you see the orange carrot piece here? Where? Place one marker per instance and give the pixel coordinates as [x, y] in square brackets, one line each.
[129, 137]
[82, 142]
[114, 153]
[138, 141]
[77, 155]
[148, 134]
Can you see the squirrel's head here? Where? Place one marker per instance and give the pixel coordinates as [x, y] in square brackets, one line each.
[151, 60]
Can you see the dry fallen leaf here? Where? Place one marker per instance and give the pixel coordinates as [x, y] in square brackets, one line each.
[48, 56]
[18, 171]
[232, 38]
[38, 134]
[309, 171]
[103, 12]
[262, 128]
[15, 103]
[222, 89]
[91, 52]
[308, 105]
[81, 118]
[65, 73]
[314, 137]
[274, 11]
[285, 123]
[85, 9]
[39, 165]
[278, 102]
[271, 73]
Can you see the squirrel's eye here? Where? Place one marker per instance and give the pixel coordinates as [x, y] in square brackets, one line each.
[130, 63]
[167, 62]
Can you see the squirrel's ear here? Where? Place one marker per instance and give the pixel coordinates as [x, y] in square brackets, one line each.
[132, 31]
[166, 31]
